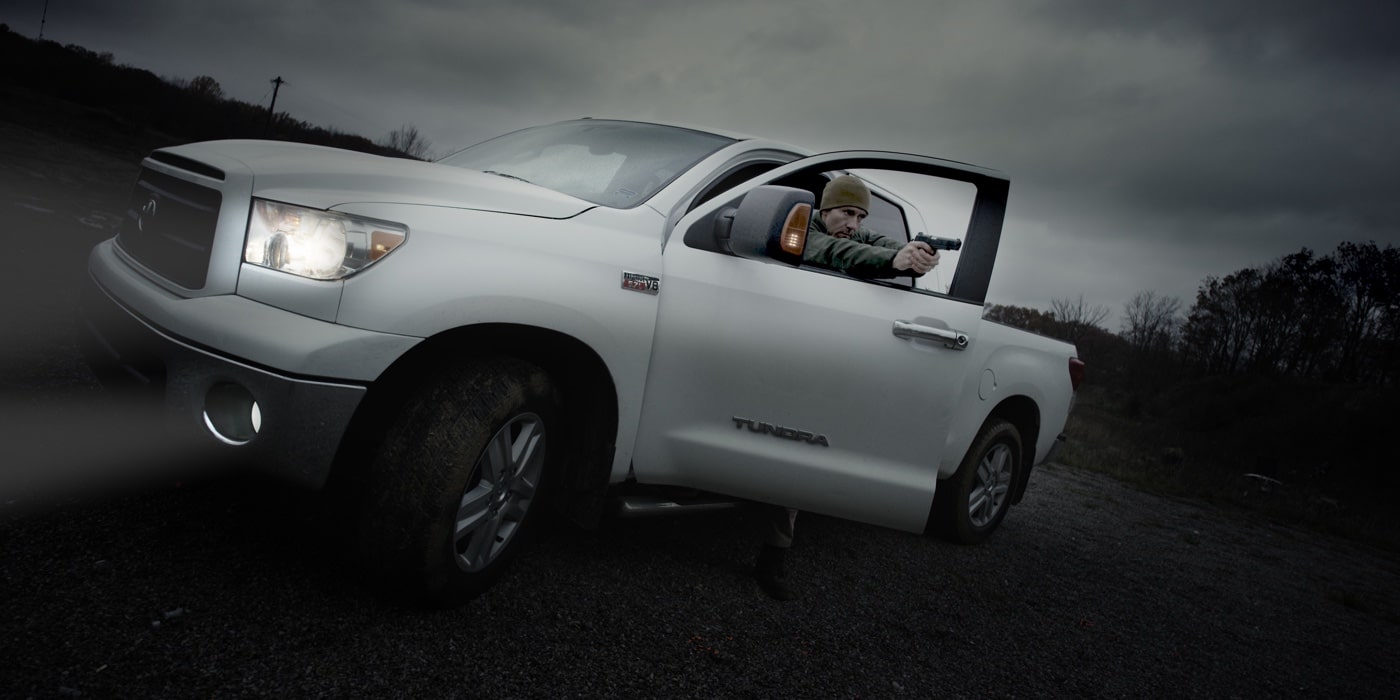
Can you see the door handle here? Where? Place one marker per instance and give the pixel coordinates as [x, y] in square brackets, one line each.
[956, 340]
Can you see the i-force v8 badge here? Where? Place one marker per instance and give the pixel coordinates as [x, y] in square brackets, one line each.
[641, 283]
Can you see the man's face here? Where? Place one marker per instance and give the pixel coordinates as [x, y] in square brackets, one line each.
[842, 221]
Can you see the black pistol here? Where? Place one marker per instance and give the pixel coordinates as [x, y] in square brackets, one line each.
[939, 243]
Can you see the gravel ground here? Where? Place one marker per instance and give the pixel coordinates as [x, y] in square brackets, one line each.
[224, 586]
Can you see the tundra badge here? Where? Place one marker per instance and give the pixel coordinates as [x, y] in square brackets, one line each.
[780, 431]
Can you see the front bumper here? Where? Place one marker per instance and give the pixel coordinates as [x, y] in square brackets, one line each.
[300, 420]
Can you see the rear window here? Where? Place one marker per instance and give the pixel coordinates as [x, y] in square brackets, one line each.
[886, 218]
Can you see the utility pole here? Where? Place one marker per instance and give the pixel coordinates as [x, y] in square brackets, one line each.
[42, 19]
[272, 108]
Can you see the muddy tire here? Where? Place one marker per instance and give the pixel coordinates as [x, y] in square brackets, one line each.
[457, 483]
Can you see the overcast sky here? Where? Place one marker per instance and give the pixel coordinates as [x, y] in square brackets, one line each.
[1149, 144]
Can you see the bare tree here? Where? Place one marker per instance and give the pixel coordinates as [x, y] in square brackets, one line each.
[1150, 321]
[1151, 325]
[1370, 278]
[206, 87]
[408, 141]
[1075, 318]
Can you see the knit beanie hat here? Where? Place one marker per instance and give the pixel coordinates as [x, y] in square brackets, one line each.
[846, 191]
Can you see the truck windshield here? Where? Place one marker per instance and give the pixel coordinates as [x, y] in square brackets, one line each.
[612, 163]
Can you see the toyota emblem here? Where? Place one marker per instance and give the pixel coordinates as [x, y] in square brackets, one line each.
[147, 212]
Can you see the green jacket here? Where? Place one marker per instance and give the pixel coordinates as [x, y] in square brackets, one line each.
[865, 254]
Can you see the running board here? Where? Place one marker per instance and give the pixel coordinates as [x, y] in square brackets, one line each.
[644, 506]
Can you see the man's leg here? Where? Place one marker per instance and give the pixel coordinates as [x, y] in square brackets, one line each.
[769, 572]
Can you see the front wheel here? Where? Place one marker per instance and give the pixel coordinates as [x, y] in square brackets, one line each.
[456, 484]
[968, 506]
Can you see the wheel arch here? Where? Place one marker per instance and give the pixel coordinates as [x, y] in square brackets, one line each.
[589, 405]
[1022, 412]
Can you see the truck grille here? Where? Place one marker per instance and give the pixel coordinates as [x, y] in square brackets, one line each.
[170, 225]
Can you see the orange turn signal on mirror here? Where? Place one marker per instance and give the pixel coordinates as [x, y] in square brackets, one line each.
[794, 237]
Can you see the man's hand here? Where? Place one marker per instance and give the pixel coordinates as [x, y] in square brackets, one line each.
[916, 257]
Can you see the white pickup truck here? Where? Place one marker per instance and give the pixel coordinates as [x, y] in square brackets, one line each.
[591, 312]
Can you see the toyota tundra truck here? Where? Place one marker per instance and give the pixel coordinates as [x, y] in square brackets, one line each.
[591, 316]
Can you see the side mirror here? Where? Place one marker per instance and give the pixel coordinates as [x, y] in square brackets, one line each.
[770, 224]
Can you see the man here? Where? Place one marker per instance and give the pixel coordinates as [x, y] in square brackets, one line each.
[836, 240]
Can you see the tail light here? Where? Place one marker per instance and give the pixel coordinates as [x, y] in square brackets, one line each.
[1076, 372]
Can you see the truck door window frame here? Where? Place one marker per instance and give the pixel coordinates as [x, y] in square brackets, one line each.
[982, 235]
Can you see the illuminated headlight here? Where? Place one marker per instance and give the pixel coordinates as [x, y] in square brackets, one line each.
[323, 245]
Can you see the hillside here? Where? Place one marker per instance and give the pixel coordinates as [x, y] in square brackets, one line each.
[81, 95]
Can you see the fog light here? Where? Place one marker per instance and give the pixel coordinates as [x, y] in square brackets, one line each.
[231, 414]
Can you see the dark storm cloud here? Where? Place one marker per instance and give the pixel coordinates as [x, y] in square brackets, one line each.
[1335, 36]
[1290, 109]
[1149, 144]
[1269, 121]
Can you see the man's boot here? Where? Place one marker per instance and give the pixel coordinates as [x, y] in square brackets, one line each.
[770, 574]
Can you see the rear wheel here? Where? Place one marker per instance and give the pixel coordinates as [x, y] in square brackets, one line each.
[969, 506]
[456, 485]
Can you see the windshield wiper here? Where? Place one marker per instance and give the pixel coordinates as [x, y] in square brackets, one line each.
[513, 177]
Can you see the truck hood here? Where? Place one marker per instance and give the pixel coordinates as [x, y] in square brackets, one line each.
[324, 178]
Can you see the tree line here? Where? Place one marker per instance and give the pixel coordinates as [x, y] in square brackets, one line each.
[42, 77]
[1333, 317]
[1285, 371]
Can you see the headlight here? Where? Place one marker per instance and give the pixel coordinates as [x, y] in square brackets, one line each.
[323, 245]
